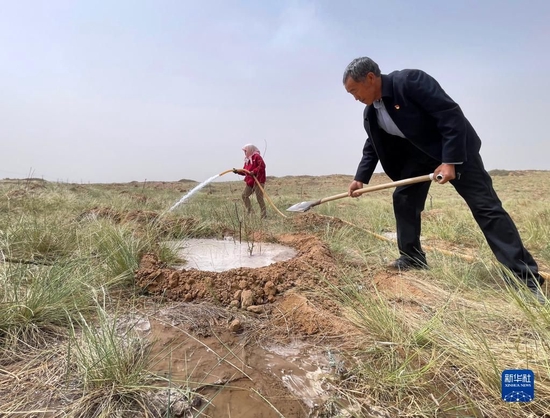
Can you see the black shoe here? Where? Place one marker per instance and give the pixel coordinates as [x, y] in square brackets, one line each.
[407, 263]
[533, 284]
[539, 296]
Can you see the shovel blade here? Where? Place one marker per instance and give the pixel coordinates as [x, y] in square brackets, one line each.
[302, 206]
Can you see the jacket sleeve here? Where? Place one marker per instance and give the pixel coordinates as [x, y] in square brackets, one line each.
[259, 165]
[368, 163]
[426, 92]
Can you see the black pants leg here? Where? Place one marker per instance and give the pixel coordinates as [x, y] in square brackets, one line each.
[409, 201]
[476, 187]
[408, 204]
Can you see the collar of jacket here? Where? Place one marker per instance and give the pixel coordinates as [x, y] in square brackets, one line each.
[387, 91]
[387, 87]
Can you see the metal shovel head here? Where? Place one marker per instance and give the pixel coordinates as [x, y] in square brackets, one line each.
[303, 206]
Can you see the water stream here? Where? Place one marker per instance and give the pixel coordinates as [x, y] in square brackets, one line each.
[193, 191]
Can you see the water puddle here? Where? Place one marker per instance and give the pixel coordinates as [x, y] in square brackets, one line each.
[302, 372]
[221, 255]
[288, 378]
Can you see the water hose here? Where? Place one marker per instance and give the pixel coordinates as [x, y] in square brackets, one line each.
[261, 189]
[223, 173]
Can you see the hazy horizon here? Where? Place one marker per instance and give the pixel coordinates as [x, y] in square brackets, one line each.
[114, 92]
[226, 177]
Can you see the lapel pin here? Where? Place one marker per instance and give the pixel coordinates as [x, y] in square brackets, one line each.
[396, 107]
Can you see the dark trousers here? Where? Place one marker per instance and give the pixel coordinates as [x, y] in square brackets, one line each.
[476, 188]
[247, 192]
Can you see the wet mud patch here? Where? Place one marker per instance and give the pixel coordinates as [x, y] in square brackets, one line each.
[274, 348]
[242, 287]
[229, 376]
[222, 255]
[252, 341]
[250, 373]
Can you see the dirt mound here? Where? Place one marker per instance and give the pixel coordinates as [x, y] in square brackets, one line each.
[298, 315]
[242, 287]
[312, 220]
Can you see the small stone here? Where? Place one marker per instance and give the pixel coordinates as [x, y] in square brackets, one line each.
[247, 298]
[257, 309]
[173, 278]
[235, 326]
[270, 289]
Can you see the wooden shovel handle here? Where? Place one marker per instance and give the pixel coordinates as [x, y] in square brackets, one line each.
[404, 182]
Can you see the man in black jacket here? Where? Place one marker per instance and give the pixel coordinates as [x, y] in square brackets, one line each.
[415, 128]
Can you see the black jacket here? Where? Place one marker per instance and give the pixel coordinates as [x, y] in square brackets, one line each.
[428, 118]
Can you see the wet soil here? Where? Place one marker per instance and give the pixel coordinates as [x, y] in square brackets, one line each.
[242, 287]
[267, 345]
[258, 342]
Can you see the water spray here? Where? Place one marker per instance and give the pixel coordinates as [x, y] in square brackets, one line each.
[211, 179]
[193, 191]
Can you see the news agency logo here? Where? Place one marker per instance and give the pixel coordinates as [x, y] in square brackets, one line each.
[518, 385]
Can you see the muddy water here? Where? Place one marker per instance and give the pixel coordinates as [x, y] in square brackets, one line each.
[239, 379]
[302, 370]
[222, 255]
[235, 371]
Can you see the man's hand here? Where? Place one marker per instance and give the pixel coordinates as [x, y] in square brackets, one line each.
[355, 185]
[447, 171]
[238, 171]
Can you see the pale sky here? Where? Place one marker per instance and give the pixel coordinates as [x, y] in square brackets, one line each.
[115, 91]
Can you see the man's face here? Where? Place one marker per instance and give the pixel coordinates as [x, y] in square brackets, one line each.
[364, 91]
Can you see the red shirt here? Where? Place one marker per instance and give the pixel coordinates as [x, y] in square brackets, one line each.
[256, 166]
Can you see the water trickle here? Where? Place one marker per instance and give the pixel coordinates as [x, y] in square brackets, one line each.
[193, 191]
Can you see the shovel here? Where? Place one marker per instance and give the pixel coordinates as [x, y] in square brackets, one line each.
[305, 206]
